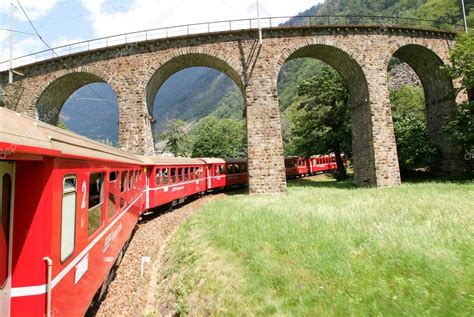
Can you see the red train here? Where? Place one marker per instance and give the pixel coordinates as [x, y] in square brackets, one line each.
[69, 205]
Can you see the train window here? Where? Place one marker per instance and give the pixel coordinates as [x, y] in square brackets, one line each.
[130, 180]
[123, 184]
[96, 200]
[113, 176]
[111, 205]
[222, 169]
[230, 169]
[4, 227]
[158, 177]
[243, 168]
[237, 168]
[173, 175]
[186, 172]
[164, 174]
[191, 172]
[68, 217]
[180, 175]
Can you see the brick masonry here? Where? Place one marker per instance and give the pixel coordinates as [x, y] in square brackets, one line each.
[361, 55]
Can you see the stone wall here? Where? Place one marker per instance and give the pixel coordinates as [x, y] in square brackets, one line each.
[361, 55]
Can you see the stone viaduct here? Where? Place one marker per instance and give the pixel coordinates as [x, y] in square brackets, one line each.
[360, 55]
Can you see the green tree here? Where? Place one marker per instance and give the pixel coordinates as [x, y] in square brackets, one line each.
[177, 140]
[414, 145]
[461, 123]
[321, 123]
[219, 138]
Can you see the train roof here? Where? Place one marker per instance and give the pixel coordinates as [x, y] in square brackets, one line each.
[30, 136]
[164, 160]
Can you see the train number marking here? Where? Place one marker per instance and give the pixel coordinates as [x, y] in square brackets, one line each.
[83, 189]
[81, 269]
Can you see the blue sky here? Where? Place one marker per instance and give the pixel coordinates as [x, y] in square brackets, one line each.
[63, 22]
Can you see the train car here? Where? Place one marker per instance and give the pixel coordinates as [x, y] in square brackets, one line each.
[296, 166]
[226, 172]
[322, 163]
[68, 206]
[172, 179]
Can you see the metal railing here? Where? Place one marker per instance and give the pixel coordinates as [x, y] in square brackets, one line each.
[382, 22]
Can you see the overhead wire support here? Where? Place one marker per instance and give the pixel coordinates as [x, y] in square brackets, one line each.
[259, 25]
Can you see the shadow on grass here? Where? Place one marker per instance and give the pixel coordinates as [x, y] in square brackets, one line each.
[424, 177]
[321, 183]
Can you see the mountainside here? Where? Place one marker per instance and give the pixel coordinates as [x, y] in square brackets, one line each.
[195, 93]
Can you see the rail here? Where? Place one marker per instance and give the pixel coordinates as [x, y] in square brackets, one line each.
[382, 22]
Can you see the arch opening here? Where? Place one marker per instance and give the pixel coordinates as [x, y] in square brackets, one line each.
[355, 82]
[433, 98]
[83, 103]
[191, 88]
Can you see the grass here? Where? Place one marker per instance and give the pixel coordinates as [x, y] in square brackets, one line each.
[329, 249]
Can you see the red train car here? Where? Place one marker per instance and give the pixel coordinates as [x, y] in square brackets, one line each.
[171, 180]
[68, 205]
[322, 163]
[226, 172]
[296, 166]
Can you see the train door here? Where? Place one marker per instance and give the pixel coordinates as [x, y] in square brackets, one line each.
[7, 170]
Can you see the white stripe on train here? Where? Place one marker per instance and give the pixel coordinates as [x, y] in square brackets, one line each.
[41, 289]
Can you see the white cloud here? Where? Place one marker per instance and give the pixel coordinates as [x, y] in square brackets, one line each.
[34, 8]
[110, 17]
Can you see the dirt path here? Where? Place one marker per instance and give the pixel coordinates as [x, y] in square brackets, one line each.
[130, 294]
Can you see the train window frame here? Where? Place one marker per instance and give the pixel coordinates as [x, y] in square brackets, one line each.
[64, 257]
[158, 177]
[243, 168]
[172, 175]
[111, 215]
[186, 173]
[130, 180]
[179, 175]
[165, 176]
[123, 181]
[96, 208]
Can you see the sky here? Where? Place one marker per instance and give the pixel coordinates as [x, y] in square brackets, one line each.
[61, 22]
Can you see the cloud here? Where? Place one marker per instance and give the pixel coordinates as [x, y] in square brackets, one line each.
[110, 17]
[34, 8]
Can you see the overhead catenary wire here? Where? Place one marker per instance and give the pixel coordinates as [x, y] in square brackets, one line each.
[57, 55]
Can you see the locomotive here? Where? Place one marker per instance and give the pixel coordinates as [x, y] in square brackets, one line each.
[69, 206]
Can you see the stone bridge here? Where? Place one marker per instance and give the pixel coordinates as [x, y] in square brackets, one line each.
[359, 53]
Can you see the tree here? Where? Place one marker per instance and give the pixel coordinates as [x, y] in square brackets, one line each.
[321, 123]
[219, 138]
[177, 140]
[460, 125]
[61, 124]
[415, 148]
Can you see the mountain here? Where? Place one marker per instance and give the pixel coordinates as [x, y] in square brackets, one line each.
[195, 93]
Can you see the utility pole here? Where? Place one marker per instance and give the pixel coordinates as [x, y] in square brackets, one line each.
[464, 15]
[10, 70]
[259, 25]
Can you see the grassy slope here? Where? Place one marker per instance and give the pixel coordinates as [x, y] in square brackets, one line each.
[329, 249]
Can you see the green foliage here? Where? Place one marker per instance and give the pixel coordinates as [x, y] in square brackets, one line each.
[61, 124]
[461, 123]
[177, 140]
[408, 101]
[219, 138]
[414, 146]
[322, 121]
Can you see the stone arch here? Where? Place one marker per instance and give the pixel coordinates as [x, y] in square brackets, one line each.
[186, 58]
[344, 62]
[439, 95]
[61, 86]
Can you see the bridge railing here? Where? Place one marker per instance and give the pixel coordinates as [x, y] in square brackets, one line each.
[132, 38]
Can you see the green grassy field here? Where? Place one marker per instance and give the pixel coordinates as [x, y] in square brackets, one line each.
[329, 249]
